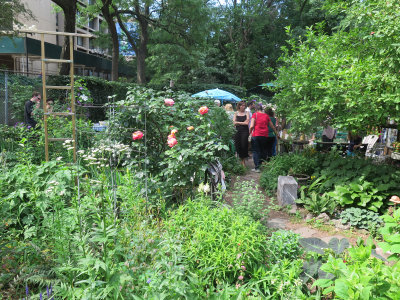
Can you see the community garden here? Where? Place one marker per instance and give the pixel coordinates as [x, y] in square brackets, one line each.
[133, 217]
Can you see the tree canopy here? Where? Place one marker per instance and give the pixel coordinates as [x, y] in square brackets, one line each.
[349, 78]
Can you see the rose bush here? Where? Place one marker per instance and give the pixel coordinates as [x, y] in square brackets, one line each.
[180, 139]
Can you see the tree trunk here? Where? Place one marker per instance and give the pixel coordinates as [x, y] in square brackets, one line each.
[114, 37]
[141, 55]
[141, 67]
[69, 26]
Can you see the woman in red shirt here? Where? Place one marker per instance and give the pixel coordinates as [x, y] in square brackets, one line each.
[260, 142]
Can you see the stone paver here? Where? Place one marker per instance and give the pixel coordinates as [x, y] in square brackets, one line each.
[277, 223]
[305, 232]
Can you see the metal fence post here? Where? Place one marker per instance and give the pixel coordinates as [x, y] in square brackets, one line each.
[6, 98]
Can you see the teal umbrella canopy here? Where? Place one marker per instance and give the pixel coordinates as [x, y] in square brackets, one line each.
[222, 95]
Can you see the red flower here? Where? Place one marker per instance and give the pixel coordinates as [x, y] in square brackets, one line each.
[137, 135]
[203, 110]
[372, 33]
[169, 102]
[172, 142]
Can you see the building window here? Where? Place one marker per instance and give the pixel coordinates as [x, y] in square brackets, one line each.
[91, 44]
[79, 41]
[91, 24]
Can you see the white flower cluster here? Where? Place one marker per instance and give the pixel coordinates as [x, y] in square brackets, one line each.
[204, 188]
[105, 154]
[51, 190]
[69, 144]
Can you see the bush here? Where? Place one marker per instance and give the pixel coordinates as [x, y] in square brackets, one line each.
[282, 165]
[361, 218]
[201, 138]
[248, 200]
[218, 243]
[283, 244]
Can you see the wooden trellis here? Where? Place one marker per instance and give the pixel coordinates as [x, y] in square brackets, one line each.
[70, 87]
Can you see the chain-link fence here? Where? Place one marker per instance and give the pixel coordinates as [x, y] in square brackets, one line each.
[15, 89]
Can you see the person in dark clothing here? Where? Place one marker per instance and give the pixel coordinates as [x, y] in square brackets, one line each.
[29, 108]
[355, 142]
[241, 121]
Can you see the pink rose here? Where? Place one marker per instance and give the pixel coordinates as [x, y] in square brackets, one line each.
[243, 268]
[203, 110]
[172, 142]
[240, 277]
[137, 135]
[169, 102]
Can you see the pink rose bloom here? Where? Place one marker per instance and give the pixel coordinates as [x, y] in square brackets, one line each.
[172, 142]
[174, 131]
[169, 102]
[243, 268]
[137, 135]
[240, 277]
[203, 110]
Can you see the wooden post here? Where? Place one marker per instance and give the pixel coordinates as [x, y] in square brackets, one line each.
[44, 96]
[71, 72]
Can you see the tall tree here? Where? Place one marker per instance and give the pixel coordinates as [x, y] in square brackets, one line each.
[69, 8]
[106, 9]
[163, 23]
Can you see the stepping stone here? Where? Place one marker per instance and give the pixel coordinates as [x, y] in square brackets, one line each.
[277, 223]
[305, 232]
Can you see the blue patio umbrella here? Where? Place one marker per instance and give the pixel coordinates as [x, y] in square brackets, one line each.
[222, 95]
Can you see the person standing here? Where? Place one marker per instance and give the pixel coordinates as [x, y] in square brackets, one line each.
[260, 140]
[241, 121]
[30, 106]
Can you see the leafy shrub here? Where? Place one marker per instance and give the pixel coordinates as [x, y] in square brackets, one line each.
[316, 203]
[391, 234]
[178, 169]
[360, 276]
[360, 218]
[283, 244]
[248, 200]
[218, 243]
[360, 193]
[339, 171]
[283, 165]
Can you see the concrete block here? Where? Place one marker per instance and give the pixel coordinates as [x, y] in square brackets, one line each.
[287, 190]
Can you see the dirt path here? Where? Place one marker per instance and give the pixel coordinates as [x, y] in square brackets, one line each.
[280, 218]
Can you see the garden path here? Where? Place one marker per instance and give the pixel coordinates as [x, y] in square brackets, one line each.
[280, 218]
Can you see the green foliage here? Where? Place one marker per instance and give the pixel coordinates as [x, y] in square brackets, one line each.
[318, 75]
[248, 200]
[316, 203]
[391, 234]
[283, 244]
[360, 277]
[283, 165]
[218, 242]
[317, 245]
[360, 193]
[360, 218]
[178, 169]
[11, 13]
[20, 91]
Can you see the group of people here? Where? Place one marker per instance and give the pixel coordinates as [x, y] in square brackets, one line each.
[254, 124]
